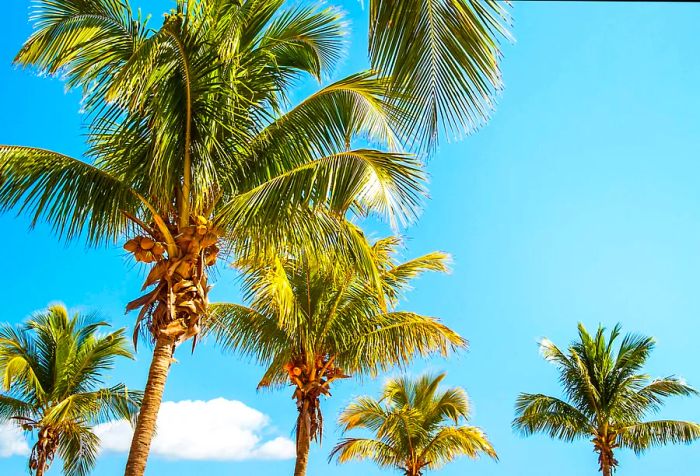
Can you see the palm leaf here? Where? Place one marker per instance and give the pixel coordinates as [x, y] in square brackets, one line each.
[444, 55]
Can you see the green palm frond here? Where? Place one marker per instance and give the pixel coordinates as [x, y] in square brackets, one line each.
[246, 330]
[84, 41]
[451, 442]
[444, 55]
[327, 122]
[390, 184]
[73, 196]
[306, 38]
[645, 435]
[541, 413]
[78, 449]
[393, 338]
[307, 307]
[358, 449]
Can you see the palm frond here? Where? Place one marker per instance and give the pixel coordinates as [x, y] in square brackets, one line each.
[394, 338]
[451, 442]
[390, 184]
[444, 55]
[541, 413]
[307, 38]
[359, 449]
[73, 196]
[78, 448]
[642, 436]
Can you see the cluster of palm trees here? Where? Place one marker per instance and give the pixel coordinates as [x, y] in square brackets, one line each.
[51, 368]
[198, 156]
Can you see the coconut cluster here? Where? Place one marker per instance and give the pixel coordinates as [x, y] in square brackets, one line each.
[179, 298]
[200, 236]
[306, 377]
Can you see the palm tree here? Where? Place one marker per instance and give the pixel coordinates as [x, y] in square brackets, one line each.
[51, 368]
[193, 147]
[417, 427]
[608, 398]
[311, 323]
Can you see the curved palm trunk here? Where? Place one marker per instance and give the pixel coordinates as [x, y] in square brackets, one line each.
[303, 439]
[152, 397]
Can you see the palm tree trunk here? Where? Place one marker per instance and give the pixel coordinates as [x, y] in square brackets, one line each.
[41, 468]
[607, 470]
[303, 440]
[152, 397]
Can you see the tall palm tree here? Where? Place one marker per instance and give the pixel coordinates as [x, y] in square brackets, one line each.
[417, 427]
[312, 323]
[608, 398]
[193, 147]
[51, 368]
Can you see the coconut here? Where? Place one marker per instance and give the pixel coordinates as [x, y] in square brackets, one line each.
[158, 249]
[146, 243]
[132, 245]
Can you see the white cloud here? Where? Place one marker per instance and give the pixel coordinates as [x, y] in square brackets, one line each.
[12, 441]
[217, 429]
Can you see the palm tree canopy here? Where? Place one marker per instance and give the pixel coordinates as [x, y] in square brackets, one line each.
[303, 309]
[192, 138]
[607, 394]
[52, 370]
[416, 426]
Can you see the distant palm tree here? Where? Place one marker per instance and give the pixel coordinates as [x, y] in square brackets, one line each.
[51, 368]
[417, 427]
[311, 323]
[608, 398]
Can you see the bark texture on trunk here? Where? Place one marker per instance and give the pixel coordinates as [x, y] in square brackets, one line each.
[41, 468]
[152, 397]
[303, 440]
[607, 470]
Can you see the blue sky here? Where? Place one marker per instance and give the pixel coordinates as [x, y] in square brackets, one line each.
[579, 201]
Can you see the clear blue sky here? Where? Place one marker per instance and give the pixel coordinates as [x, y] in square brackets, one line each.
[580, 201]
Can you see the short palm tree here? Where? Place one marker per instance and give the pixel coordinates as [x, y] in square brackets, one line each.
[608, 398]
[51, 368]
[312, 323]
[193, 145]
[417, 427]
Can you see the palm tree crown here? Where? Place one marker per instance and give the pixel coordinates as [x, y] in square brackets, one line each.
[51, 368]
[608, 397]
[312, 323]
[417, 427]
